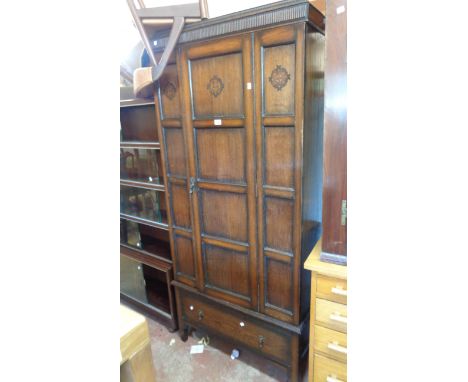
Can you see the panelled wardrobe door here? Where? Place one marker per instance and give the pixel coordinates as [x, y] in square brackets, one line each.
[279, 121]
[217, 82]
[173, 150]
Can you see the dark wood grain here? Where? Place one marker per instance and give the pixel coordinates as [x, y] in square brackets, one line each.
[216, 73]
[248, 134]
[279, 165]
[335, 131]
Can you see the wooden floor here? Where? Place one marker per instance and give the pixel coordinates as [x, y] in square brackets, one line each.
[174, 363]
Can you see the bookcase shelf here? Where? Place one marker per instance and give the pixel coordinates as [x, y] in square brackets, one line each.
[145, 251]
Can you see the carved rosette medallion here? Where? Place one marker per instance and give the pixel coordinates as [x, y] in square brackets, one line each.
[279, 77]
[169, 90]
[215, 86]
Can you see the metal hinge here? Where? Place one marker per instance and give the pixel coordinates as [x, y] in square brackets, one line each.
[344, 212]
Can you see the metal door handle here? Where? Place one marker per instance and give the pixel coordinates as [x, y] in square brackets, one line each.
[192, 185]
[261, 342]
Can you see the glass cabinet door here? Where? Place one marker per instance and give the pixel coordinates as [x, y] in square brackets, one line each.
[147, 238]
[143, 283]
[143, 203]
[132, 282]
[140, 165]
[138, 124]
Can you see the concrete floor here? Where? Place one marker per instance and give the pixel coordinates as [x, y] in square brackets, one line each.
[174, 363]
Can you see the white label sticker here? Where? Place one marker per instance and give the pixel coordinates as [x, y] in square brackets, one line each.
[218, 122]
[249, 85]
[196, 349]
[340, 9]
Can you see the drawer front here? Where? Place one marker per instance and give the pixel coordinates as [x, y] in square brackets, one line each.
[331, 314]
[328, 370]
[331, 342]
[332, 289]
[238, 327]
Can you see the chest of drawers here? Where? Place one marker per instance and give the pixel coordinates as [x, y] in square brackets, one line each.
[328, 321]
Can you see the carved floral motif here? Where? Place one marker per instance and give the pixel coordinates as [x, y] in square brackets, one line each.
[279, 77]
[215, 86]
[169, 90]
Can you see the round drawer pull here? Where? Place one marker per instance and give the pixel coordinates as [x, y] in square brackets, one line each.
[235, 354]
[242, 324]
[201, 315]
[191, 307]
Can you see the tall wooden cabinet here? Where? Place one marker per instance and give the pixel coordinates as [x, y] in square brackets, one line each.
[240, 113]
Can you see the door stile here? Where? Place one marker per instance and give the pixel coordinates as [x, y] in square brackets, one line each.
[183, 70]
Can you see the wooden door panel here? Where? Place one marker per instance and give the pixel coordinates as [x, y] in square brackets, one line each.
[224, 214]
[217, 88]
[185, 261]
[278, 79]
[278, 285]
[221, 163]
[174, 143]
[225, 269]
[279, 215]
[279, 156]
[279, 59]
[169, 93]
[180, 205]
[225, 159]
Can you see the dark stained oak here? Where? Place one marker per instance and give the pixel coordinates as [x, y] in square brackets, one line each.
[240, 115]
[217, 163]
[169, 94]
[223, 192]
[217, 86]
[180, 205]
[335, 131]
[174, 142]
[278, 78]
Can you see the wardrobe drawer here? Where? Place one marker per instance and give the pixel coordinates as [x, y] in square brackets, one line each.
[238, 327]
[328, 370]
[331, 314]
[332, 289]
[331, 342]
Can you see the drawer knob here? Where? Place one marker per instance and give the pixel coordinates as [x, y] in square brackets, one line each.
[261, 342]
[338, 318]
[337, 348]
[242, 324]
[201, 315]
[333, 379]
[191, 307]
[339, 291]
[235, 354]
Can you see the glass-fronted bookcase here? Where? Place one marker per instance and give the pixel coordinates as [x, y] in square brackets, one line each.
[145, 254]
